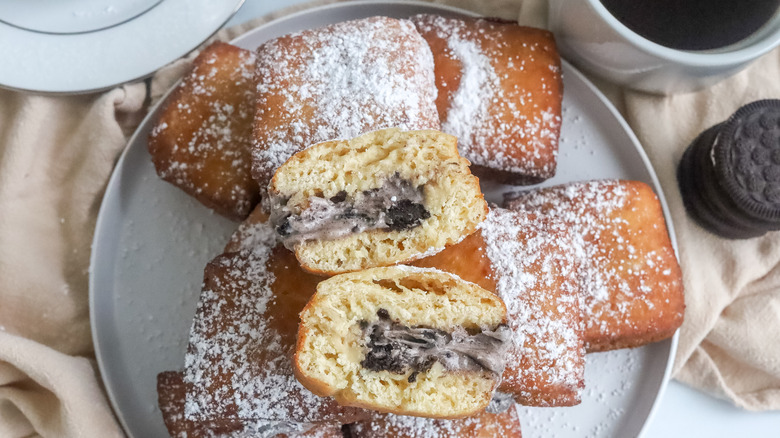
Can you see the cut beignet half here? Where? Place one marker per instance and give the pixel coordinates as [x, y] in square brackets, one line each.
[404, 340]
[382, 198]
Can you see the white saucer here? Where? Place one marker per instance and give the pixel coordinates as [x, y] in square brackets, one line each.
[80, 46]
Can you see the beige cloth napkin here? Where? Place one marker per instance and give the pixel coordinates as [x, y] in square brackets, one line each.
[730, 340]
[56, 154]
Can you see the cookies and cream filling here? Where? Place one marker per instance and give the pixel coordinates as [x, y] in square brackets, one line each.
[500, 402]
[395, 205]
[391, 346]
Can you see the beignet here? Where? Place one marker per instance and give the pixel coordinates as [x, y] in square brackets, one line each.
[385, 197]
[171, 392]
[404, 340]
[238, 364]
[632, 283]
[530, 263]
[202, 140]
[500, 93]
[482, 425]
[337, 82]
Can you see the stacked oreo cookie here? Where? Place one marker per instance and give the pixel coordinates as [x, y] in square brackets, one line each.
[729, 176]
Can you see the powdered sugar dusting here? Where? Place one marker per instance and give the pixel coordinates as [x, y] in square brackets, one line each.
[535, 272]
[338, 82]
[469, 106]
[629, 273]
[238, 365]
[506, 109]
[202, 143]
[391, 426]
[253, 233]
[172, 393]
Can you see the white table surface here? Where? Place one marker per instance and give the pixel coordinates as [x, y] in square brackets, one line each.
[683, 412]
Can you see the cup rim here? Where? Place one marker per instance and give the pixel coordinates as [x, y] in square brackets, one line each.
[687, 57]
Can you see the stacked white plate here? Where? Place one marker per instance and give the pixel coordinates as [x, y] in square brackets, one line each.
[76, 46]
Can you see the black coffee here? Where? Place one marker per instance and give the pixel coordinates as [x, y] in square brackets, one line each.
[693, 24]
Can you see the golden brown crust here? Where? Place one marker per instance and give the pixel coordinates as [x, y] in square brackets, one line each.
[171, 392]
[482, 425]
[466, 259]
[243, 337]
[647, 234]
[201, 141]
[513, 136]
[630, 340]
[548, 370]
[245, 236]
[170, 398]
[634, 291]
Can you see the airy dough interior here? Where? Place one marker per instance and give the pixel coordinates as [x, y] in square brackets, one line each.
[331, 348]
[427, 159]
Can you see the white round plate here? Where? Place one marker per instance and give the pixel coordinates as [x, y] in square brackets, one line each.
[152, 242]
[77, 46]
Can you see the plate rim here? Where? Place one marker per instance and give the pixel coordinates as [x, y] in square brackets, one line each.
[570, 69]
[96, 34]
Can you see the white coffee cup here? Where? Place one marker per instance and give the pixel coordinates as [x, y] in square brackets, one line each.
[593, 39]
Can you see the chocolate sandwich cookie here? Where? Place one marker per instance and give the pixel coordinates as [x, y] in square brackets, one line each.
[702, 194]
[729, 176]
